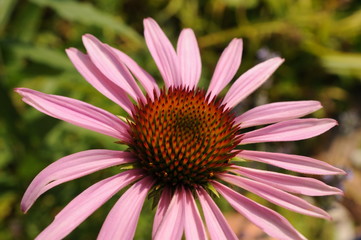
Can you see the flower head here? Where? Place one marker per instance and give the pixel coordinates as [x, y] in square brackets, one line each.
[181, 144]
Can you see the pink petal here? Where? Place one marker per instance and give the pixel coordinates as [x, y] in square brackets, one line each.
[250, 81]
[76, 112]
[86, 203]
[189, 58]
[276, 196]
[268, 220]
[290, 130]
[276, 112]
[111, 67]
[72, 167]
[216, 223]
[122, 220]
[295, 163]
[289, 183]
[144, 77]
[173, 222]
[161, 209]
[193, 225]
[226, 68]
[84, 65]
[162, 52]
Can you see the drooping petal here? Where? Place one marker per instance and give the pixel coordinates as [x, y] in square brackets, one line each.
[161, 209]
[162, 52]
[173, 222]
[292, 162]
[290, 130]
[86, 203]
[299, 185]
[226, 68]
[111, 67]
[189, 58]
[217, 225]
[72, 167]
[90, 72]
[268, 220]
[250, 81]
[276, 196]
[76, 112]
[276, 112]
[193, 224]
[122, 220]
[148, 82]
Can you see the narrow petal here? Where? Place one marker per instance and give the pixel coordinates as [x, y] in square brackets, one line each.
[76, 112]
[161, 209]
[189, 58]
[250, 81]
[217, 225]
[109, 65]
[162, 52]
[147, 81]
[276, 196]
[71, 167]
[276, 112]
[193, 224]
[268, 220]
[173, 222]
[90, 72]
[299, 185]
[122, 220]
[86, 203]
[291, 162]
[226, 68]
[290, 130]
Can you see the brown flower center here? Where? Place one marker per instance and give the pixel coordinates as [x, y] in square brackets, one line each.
[181, 138]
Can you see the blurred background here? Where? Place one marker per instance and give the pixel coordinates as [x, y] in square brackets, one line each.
[320, 40]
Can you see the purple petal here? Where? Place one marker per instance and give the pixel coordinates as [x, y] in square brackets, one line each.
[193, 225]
[111, 67]
[276, 196]
[144, 77]
[173, 222]
[122, 220]
[161, 209]
[268, 220]
[276, 112]
[290, 130]
[189, 58]
[289, 183]
[72, 167]
[86, 203]
[76, 112]
[291, 162]
[250, 81]
[217, 225]
[84, 65]
[226, 68]
[162, 52]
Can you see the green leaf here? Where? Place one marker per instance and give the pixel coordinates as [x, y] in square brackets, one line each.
[43, 55]
[6, 8]
[212, 189]
[345, 64]
[87, 14]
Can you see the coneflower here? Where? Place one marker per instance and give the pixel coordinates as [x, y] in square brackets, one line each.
[181, 141]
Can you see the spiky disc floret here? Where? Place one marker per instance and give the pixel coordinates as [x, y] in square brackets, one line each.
[182, 138]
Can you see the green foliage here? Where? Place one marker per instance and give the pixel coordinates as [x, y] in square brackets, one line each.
[320, 40]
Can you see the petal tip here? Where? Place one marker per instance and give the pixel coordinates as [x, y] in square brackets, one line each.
[20, 91]
[148, 20]
[24, 208]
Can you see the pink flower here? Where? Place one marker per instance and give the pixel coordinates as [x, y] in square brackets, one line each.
[182, 143]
